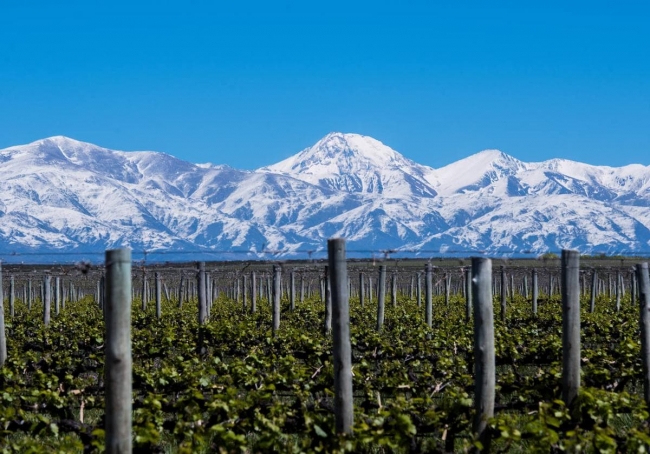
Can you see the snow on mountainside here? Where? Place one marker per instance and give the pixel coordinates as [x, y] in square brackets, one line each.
[59, 194]
[355, 163]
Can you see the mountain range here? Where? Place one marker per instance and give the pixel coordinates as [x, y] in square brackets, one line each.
[61, 196]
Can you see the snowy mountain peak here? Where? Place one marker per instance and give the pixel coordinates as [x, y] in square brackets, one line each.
[341, 153]
[61, 194]
[355, 163]
[475, 172]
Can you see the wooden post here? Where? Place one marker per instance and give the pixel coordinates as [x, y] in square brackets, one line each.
[158, 296]
[302, 288]
[618, 291]
[570, 325]
[57, 295]
[468, 293]
[633, 297]
[328, 301]
[145, 291]
[381, 302]
[216, 290]
[594, 290]
[503, 293]
[393, 292]
[412, 292]
[419, 289]
[118, 351]
[644, 299]
[277, 294]
[526, 291]
[446, 278]
[483, 348]
[292, 290]
[181, 288]
[200, 284]
[244, 293]
[166, 290]
[361, 292]
[48, 300]
[428, 295]
[12, 296]
[3, 336]
[535, 291]
[342, 352]
[253, 293]
[208, 293]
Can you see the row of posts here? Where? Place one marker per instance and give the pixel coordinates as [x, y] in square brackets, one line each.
[117, 311]
[118, 353]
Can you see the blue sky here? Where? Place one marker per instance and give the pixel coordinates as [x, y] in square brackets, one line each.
[248, 84]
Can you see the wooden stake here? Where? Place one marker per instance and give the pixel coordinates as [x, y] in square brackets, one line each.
[118, 352]
[570, 325]
[483, 348]
[343, 404]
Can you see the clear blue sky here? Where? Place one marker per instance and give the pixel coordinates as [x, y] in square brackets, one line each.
[248, 84]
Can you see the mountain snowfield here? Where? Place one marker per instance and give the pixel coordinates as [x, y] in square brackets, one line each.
[61, 195]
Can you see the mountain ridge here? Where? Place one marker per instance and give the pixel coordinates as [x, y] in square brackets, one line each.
[60, 194]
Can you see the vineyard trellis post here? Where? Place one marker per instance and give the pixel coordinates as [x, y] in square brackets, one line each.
[12, 296]
[594, 291]
[381, 297]
[48, 300]
[144, 289]
[468, 293]
[57, 295]
[3, 337]
[618, 291]
[419, 289]
[327, 288]
[484, 366]
[253, 293]
[180, 291]
[503, 293]
[118, 352]
[428, 289]
[292, 290]
[245, 293]
[644, 299]
[158, 295]
[526, 291]
[446, 279]
[203, 312]
[535, 291]
[570, 325]
[343, 403]
[166, 290]
[361, 293]
[277, 294]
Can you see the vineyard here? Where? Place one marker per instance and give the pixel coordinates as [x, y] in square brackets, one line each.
[244, 381]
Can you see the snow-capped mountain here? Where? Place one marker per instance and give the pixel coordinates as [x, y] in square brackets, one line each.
[58, 194]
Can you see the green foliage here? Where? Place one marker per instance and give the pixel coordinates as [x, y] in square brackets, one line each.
[254, 392]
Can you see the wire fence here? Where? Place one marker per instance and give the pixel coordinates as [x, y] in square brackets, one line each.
[184, 255]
